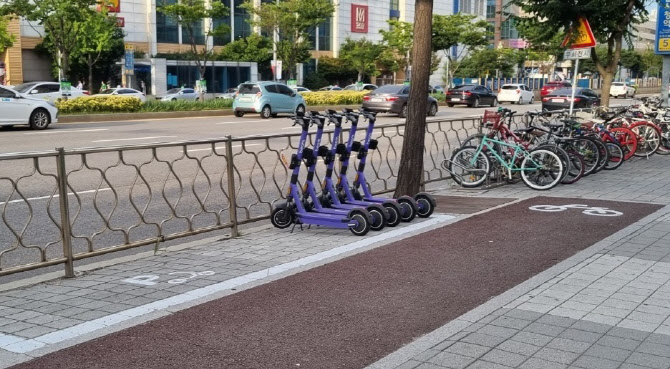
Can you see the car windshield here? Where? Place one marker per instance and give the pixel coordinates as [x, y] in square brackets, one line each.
[564, 91]
[23, 88]
[510, 87]
[389, 89]
[617, 84]
[464, 87]
[107, 92]
[249, 89]
[173, 91]
[350, 87]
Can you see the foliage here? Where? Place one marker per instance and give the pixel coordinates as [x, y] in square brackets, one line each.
[336, 70]
[397, 41]
[92, 104]
[486, 62]
[458, 30]
[632, 60]
[321, 98]
[184, 105]
[6, 39]
[611, 21]
[439, 97]
[60, 19]
[293, 20]
[361, 55]
[653, 63]
[315, 81]
[254, 48]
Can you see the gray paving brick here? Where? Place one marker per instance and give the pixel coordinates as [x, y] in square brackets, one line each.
[16, 327]
[557, 356]
[493, 330]
[523, 314]
[518, 347]
[504, 358]
[24, 315]
[569, 345]
[468, 349]
[628, 333]
[429, 366]
[632, 366]
[578, 335]
[34, 332]
[509, 322]
[654, 349]
[608, 352]
[591, 362]
[591, 326]
[443, 345]
[532, 338]
[658, 338]
[480, 364]
[483, 339]
[650, 361]
[545, 329]
[451, 360]
[426, 355]
[409, 365]
[535, 363]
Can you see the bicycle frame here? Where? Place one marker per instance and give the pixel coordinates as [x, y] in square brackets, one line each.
[511, 166]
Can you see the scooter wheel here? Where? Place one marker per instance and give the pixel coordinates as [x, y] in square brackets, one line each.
[281, 217]
[362, 226]
[393, 211]
[325, 201]
[408, 208]
[378, 217]
[426, 204]
[356, 195]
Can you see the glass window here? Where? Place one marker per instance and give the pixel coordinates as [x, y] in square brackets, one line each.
[508, 31]
[249, 89]
[284, 90]
[389, 89]
[271, 89]
[166, 28]
[224, 39]
[490, 8]
[324, 35]
[240, 16]
[405, 91]
[395, 4]
[198, 34]
[189, 91]
[46, 88]
[7, 93]
[491, 28]
[23, 88]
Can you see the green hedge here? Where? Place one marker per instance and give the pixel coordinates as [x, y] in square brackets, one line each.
[321, 98]
[122, 104]
[182, 105]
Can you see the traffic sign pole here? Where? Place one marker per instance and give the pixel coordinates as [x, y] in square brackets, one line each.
[665, 83]
[574, 86]
[662, 46]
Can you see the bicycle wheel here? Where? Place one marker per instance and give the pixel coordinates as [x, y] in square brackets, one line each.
[576, 170]
[589, 152]
[627, 140]
[604, 154]
[615, 153]
[541, 169]
[562, 154]
[467, 167]
[648, 138]
[664, 147]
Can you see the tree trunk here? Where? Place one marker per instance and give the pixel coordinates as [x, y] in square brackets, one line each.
[90, 74]
[410, 173]
[360, 76]
[605, 89]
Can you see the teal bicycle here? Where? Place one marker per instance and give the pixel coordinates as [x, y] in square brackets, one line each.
[540, 169]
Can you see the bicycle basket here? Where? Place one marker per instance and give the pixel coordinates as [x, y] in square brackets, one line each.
[491, 119]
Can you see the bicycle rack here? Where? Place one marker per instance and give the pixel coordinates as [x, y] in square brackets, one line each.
[487, 182]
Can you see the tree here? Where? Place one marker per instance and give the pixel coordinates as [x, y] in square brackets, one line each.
[610, 20]
[411, 163]
[632, 60]
[653, 63]
[361, 55]
[336, 70]
[254, 48]
[194, 17]
[486, 62]
[59, 19]
[545, 46]
[458, 30]
[99, 34]
[6, 38]
[292, 20]
[398, 41]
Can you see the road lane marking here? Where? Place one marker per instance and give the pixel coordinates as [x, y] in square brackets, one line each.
[245, 121]
[219, 147]
[26, 345]
[63, 130]
[133, 139]
[55, 196]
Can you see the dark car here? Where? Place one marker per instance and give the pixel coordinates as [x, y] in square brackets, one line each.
[471, 95]
[560, 99]
[555, 85]
[393, 99]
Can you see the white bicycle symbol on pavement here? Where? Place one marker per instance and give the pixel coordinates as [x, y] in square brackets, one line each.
[588, 210]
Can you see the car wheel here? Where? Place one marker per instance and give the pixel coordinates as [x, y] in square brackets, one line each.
[266, 112]
[403, 112]
[450, 105]
[274, 115]
[239, 114]
[494, 103]
[173, 99]
[300, 109]
[520, 101]
[476, 103]
[40, 119]
[197, 99]
[433, 110]
[532, 100]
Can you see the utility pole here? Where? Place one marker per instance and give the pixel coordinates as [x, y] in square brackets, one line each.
[663, 44]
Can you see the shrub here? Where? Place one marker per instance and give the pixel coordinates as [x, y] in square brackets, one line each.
[439, 97]
[107, 104]
[334, 97]
[183, 105]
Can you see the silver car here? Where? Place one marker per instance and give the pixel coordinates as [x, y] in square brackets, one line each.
[175, 94]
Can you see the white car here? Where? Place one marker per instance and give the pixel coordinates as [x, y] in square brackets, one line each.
[516, 93]
[18, 110]
[363, 87]
[127, 92]
[175, 94]
[619, 89]
[49, 91]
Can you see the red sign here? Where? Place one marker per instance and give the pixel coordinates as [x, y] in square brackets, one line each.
[359, 18]
[584, 38]
[120, 21]
[113, 6]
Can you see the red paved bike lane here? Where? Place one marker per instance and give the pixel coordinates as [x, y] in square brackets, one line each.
[352, 312]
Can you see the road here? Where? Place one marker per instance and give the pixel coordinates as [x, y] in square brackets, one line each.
[118, 197]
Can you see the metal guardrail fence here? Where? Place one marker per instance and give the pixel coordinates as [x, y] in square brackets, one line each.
[67, 205]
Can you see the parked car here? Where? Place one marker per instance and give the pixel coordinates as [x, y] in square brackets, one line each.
[364, 87]
[228, 95]
[49, 91]
[393, 99]
[551, 86]
[331, 88]
[560, 99]
[175, 94]
[19, 110]
[436, 89]
[267, 98]
[471, 95]
[302, 89]
[516, 93]
[127, 92]
[621, 89]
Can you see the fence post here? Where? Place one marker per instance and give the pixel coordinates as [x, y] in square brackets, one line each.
[65, 230]
[231, 186]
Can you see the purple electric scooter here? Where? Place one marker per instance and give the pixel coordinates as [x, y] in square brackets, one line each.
[329, 196]
[293, 210]
[423, 204]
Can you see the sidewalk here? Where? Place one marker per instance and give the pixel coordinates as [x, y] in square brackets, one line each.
[606, 307]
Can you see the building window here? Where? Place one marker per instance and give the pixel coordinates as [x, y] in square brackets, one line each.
[224, 39]
[240, 16]
[198, 34]
[508, 31]
[491, 28]
[324, 35]
[167, 30]
[490, 8]
[465, 6]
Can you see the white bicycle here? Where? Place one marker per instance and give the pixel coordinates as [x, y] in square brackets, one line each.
[588, 210]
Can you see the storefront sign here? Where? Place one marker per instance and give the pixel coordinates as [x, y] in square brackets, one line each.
[359, 18]
[517, 43]
[130, 59]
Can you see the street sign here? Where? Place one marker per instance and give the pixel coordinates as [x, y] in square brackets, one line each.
[130, 59]
[663, 28]
[292, 83]
[278, 67]
[573, 54]
[584, 36]
[66, 88]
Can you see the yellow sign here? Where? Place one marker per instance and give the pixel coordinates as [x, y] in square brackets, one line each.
[664, 44]
[584, 36]
[130, 47]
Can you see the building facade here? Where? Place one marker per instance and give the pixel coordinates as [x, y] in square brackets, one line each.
[155, 35]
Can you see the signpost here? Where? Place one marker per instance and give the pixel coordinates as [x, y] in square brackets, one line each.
[292, 83]
[579, 47]
[662, 46]
[129, 64]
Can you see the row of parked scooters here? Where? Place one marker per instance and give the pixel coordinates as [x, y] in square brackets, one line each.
[341, 205]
